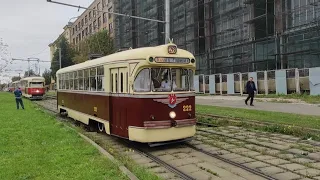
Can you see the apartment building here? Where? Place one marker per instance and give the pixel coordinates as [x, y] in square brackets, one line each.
[90, 22]
[66, 33]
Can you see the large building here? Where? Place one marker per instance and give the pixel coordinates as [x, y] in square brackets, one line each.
[90, 22]
[229, 35]
[66, 33]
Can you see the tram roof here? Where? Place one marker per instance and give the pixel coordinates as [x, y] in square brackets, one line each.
[132, 54]
[33, 78]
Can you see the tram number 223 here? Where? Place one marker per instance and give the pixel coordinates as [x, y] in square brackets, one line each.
[187, 108]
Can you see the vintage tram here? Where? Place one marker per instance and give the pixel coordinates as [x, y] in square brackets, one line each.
[32, 87]
[144, 95]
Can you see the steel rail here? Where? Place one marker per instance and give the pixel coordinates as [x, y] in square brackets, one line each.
[253, 171]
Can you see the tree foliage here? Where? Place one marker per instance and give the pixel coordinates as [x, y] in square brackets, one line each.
[67, 53]
[15, 78]
[47, 76]
[98, 43]
[29, 73]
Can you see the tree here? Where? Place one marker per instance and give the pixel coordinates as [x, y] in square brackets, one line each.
[47, 76]
[29, 73]
[67, 53]
[15, 78]
[99, 43]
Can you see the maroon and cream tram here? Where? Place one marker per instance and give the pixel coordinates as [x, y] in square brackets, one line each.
[33, 87]
[144, 95]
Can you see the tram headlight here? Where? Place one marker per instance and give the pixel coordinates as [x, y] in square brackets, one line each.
[193, 60]
[37, 90]
[172, 115]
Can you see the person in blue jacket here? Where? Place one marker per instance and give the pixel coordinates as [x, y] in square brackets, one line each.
[251, 88]
[18, 96]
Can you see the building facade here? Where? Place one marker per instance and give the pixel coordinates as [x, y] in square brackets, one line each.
[66, 33]
[90, 22]
[228, 36]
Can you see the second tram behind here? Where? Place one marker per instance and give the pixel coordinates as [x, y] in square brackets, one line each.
[33, 87]
[144, 95]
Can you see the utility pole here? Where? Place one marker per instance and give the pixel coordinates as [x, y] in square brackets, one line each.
[30, 59]
[166, 22]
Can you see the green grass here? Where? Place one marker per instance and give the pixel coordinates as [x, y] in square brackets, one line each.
[263, 116]
[33, 145]
[304, 97]
[52, 93]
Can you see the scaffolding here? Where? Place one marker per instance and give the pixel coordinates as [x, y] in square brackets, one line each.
[229, 36]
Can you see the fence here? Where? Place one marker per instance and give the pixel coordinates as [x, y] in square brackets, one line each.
[284, 81]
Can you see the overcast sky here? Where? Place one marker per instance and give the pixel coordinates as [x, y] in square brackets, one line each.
[29, 26]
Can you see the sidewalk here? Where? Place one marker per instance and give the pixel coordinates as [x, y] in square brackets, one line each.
[296, 106]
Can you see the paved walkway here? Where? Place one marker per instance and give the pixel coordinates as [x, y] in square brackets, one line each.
[238, 102]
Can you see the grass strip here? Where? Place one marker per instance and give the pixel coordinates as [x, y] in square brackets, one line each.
[263, 116]
[33, 145]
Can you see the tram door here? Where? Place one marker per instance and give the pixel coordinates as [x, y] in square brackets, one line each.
[119, 88]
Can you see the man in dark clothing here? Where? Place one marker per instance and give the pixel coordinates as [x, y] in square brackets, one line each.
[251, 88]
[18, 94]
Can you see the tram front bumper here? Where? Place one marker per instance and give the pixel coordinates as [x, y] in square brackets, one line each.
[144, 135]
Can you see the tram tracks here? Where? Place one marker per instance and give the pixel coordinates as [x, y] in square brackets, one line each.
[147, 152]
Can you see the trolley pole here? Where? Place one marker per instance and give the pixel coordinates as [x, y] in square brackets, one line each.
[167, 21]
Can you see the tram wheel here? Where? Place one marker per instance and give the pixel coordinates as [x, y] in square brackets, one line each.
[100, 127]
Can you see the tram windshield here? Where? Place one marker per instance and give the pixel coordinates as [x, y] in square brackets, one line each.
[36, 84]
[164, 80]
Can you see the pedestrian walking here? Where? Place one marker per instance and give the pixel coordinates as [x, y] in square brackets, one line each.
[251, 88]
[18, 94]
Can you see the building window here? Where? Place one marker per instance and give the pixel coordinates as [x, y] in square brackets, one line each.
[94, 12]
[110, 28]
[82, 23]
[90, 15]
[86, 19]
[109, 14]
[72, 31]
[86, 31]
[99, 22]
[76, 27]
[104, 17]
[74, 41]
[94, 25]
[90, 28]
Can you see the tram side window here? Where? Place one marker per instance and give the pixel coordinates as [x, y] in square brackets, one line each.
[111, 87]
[60, 80]
[80, 79]
[75, 82]
[71, 80]
[93, 83]
[142, 81]
[121, 82]
[86, 79]
[127, 83]
[100, 78]
[67, 80]
[116, 77]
